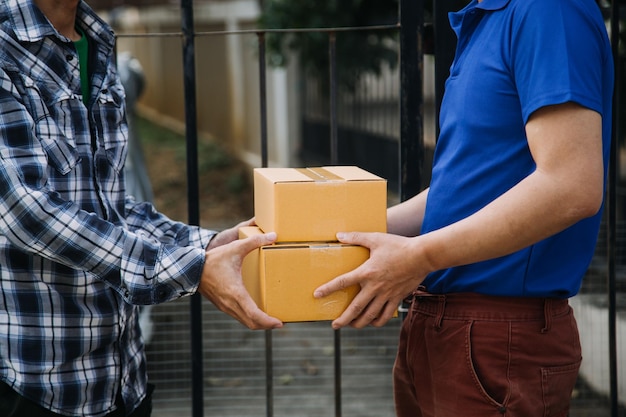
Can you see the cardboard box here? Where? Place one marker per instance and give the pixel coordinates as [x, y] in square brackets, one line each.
[281, 278]
[313, 204]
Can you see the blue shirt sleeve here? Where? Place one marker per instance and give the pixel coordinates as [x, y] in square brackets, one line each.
[555, 54]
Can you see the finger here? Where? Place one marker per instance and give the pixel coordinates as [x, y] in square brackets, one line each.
[250, 243]
[229, 235]
[354, 310]
[339, 283]
[256, 319]
[388, 313]
[355, 238]
[371, 313]
[245, 310]
[249, 222]
[259, 320]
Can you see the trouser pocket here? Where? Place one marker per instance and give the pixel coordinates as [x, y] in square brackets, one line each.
[557, 383]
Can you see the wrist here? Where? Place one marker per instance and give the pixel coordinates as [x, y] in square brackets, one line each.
[213, 241]
[428, 253]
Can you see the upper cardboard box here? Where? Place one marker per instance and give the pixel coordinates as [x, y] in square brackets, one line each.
[313, 204]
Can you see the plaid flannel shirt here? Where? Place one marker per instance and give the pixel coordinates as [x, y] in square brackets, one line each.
[75, 253]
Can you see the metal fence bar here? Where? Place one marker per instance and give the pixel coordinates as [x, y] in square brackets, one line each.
[191, 134]
[338, 395]
[612, 217]
[269, 374]
[334, 160]
[332, 54]
[269, 348]
[411, 97]
[263, 97]
[302, 30]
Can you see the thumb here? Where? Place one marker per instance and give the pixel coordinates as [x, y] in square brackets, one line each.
[250, 243]
[353, 238]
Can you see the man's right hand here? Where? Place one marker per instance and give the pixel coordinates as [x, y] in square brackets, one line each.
[222, 283]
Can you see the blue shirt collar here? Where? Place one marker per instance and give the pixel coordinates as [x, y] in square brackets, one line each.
[492, 4]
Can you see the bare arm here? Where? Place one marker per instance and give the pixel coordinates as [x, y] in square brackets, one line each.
[405, 219]
[567, 186]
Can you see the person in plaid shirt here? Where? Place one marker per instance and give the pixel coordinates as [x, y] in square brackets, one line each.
[77, 255]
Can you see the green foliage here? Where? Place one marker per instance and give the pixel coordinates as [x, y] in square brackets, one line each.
[211, 155]
[357, 52]
[152, 133]
[236, 182]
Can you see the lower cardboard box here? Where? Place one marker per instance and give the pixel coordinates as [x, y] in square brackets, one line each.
[281, 278]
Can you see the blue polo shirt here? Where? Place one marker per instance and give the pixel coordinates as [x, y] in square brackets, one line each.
[514, 57]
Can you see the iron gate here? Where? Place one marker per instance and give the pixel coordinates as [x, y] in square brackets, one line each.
[411, 168]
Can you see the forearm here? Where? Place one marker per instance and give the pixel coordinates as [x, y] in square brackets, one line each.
[405, 219]
[144, 219]
[142, 270]
[531, 211]
[566, 187]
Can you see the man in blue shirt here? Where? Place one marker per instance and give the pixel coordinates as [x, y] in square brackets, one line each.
[502, 237]
[76, 253]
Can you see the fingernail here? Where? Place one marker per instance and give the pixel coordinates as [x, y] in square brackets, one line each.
[271, 235]
[341, 235]
[317, 294]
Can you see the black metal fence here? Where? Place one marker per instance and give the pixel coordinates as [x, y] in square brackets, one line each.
[408, 172]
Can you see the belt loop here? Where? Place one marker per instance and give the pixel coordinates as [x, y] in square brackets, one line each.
[441, 308]
[547, 315]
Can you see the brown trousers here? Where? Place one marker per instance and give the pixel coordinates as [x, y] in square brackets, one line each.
[472, 355]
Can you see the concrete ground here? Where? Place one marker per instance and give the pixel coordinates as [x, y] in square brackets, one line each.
[303, 367]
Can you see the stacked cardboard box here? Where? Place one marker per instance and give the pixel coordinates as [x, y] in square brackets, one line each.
[306, 208]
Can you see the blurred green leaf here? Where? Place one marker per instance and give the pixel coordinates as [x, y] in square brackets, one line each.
[358, 52]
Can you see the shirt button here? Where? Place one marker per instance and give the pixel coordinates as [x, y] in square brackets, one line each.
[69, 57]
